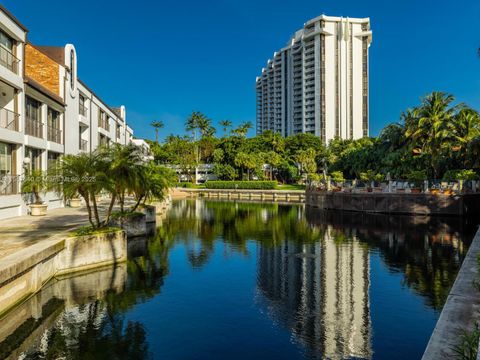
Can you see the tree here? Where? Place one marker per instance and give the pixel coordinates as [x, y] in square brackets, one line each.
[242, 129]
[157, 125]
[83, 174]
[247, 162]
[35, 182]
[226, 124]
[428, 125]
[306, 161]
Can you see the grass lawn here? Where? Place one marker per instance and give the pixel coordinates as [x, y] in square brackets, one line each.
[291, 187]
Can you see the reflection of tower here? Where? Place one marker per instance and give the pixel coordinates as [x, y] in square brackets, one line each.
[320, 292]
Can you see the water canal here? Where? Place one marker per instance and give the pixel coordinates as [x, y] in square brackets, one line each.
[240, 280]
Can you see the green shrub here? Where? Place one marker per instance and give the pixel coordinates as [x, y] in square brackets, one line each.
[88, 230]
[464, 174]
[186, 185]
[337, 176]
[250, 185]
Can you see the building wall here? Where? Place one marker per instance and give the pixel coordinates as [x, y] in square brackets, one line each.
[55, 85]
[315, 84]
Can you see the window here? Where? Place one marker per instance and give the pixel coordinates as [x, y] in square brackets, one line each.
[33, 123]
[118, 131]
[72, 69]
[6, 41]
[53, 126]
[35, 156]
[8, 182]
[102, 140]
[7, 59]
[5, 159]
[52, 159]
[81, 106]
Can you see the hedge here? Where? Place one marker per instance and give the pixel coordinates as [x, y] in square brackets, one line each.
[249, 185]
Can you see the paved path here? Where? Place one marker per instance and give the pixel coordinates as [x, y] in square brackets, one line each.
[21, 232]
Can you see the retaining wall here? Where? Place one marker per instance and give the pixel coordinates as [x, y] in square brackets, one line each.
[25, 272]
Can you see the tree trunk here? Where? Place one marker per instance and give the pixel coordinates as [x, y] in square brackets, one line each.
[89, 208]
[139, 200]
[110, 208]
[95, 210]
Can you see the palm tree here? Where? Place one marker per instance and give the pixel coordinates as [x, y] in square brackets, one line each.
[125, 169]
[157, 125]
[243, 128]
[225, 124]
[84, 175]
[428, 125]
[465, 128]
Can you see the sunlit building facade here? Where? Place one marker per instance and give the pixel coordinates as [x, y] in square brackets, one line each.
[318, 83]
[46, 111]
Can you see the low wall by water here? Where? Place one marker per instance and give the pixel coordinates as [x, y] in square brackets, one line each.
[461, 310]
[271, 195]
[26, 324]
[24, 272]
[392, 203]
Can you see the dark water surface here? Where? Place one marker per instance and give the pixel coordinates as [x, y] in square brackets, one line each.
[232, 280]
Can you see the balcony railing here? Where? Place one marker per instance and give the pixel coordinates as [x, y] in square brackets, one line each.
[8, 60]
[83, 145]
[9, 119]
[54, 135]
[34, 128]
[9, 185]
[82, 110]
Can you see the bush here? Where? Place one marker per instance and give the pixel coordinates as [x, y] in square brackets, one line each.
[337, 176]
[186, 185]
[250, 185]
[452, 175]
[88, 230]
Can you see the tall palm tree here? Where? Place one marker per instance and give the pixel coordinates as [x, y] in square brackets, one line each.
[429, 125]
[225, 124]
[157, 125]
[243, 128]
[465, 128]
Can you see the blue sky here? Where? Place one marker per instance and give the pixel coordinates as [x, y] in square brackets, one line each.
[164, 59]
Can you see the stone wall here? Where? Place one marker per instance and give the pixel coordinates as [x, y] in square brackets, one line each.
[25, 272]
[422, 204]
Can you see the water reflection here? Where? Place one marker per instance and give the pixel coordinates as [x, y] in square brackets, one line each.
[313, 278]
[320, 292]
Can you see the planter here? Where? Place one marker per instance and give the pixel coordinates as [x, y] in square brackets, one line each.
[75, 203]
[415, 190]
[377, 190]
[369, 190]
[150, 213]
[134, 225]
[38, 209]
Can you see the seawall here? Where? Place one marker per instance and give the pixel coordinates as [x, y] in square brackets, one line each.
[461, 310]
[24, 272]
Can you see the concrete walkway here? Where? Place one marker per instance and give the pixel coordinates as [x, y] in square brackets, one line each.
[21, 232]
[461, 310]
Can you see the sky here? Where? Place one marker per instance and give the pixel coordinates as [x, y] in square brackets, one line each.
[165, 59]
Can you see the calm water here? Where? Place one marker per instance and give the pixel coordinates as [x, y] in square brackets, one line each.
[224, 280]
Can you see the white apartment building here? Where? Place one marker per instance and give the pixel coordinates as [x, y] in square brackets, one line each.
[45, 111]
[318, 83]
